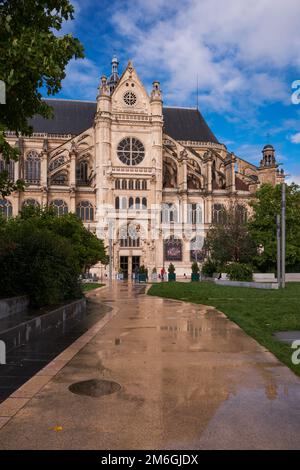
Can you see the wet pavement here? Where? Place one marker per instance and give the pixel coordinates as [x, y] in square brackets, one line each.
[189, 377]
[27, 360]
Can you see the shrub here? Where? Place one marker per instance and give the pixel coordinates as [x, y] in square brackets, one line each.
[142, 270]
[209, 268]
[40, 264]
[195, 268]
[42, 255]
[171, 268]
[240, 272]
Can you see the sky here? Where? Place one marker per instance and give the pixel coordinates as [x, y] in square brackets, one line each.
[244, 54]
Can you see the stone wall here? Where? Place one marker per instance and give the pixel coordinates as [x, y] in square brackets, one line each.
[60, 319]
[13, 305]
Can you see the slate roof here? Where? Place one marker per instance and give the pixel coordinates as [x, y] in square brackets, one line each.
[73, 117]
[187, 124]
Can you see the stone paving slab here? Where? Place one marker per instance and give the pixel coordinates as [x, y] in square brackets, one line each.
[190, 379]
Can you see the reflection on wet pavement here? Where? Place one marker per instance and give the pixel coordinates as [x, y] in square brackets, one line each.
[24, 362]
[190, 379]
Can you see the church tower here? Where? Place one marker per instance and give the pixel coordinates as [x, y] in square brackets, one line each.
[114, 78]
[268, 170]
[128, 153]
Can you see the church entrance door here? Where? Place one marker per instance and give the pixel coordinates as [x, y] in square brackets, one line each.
[124, 266]
[135, 264]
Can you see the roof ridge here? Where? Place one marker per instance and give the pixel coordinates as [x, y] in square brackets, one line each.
[181, 107]
[68, 100]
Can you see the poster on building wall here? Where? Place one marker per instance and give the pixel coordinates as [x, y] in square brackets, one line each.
[173, 250]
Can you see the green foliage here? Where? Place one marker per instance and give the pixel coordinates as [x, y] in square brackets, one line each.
[32, 56]
[262, 227]
[231, 240]
[209, 268]
[195, 268]
[42, 255]
[142, 270]
[171, 268]
[91, 286]
[240, 272]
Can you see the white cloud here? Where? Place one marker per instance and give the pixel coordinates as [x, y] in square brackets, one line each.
[294, 179]
[238, 49]
[252, 153]
[81, 75]
[295, 139]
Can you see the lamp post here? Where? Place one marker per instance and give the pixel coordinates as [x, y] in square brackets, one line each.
[110, 249]
[283, 234]
[278, 226]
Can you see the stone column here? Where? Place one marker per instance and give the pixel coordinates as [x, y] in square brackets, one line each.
[44, 169]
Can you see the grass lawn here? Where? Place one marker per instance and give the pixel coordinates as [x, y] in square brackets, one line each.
[258, 312]
[91, 286]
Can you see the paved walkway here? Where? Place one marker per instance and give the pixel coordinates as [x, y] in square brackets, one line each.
[190, 379]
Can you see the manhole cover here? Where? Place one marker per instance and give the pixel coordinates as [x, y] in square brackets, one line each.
[95, 388]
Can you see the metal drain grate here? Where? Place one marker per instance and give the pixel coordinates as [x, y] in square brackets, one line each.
[95, 388]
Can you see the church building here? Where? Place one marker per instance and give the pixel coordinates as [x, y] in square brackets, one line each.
[146, 178]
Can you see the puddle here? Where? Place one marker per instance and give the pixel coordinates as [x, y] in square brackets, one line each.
[95, 388]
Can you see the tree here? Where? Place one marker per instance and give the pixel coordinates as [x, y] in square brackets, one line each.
[88, 247]
[262, 226]
[42, 255]
[231, 240]
[33, 56]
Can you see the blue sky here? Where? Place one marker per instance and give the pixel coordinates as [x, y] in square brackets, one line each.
[246, 54]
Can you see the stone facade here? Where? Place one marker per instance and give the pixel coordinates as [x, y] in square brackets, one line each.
[127, 178]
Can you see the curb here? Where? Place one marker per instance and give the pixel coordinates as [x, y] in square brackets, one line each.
[17, 400]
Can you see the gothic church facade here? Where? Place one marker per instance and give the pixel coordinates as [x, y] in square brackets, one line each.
[150, 178]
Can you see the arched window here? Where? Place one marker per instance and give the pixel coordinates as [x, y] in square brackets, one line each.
[33, 168]
[137, 203]
[173, 249]
[129, 237]
[8, 167]
[197, 252]
[144, 185]
[124, 184]
[82, 173]
[117, 203]
[138, 185]
[57, 162]
[60, 207]
[195, 214]
[85, 211]
[169, 213]
[124, 203]
[173, 213]
[219, 214]
[131, 184]
[129, 242]
[241, 214]
[31, 202]
[117, 184]
[131, 203]
[5, 208]
[60, 179]
[144, 203]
